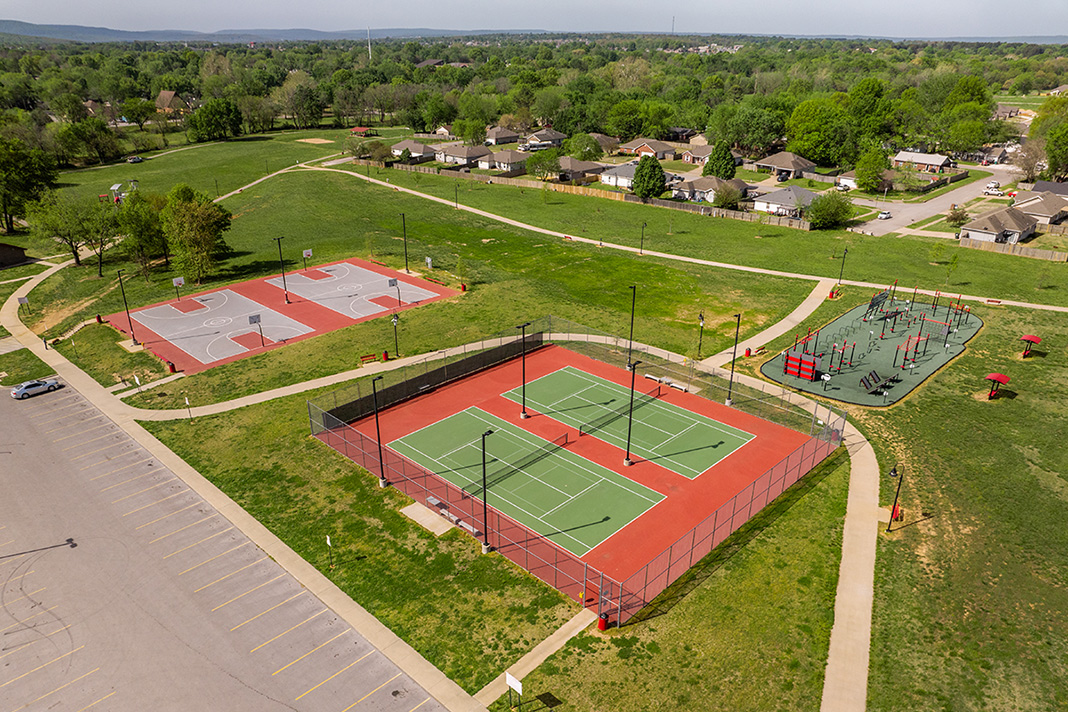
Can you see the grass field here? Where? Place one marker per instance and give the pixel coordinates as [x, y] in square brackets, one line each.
[93, 347]
[21, 366]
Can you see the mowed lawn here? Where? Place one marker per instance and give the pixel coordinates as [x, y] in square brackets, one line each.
[881, 260]
[514, 275]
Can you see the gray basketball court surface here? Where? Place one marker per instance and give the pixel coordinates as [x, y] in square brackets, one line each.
[351, 290]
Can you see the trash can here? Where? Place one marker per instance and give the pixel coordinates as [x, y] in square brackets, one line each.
[171, 368]
[748, 352]
[602, 622]
[99, 320]
[463, 287]
[385, 355]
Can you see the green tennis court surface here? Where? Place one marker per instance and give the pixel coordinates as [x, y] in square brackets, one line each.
[682, 441]
[542, 485]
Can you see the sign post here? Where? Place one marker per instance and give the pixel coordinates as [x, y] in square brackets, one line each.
[514, 684]
[24, 301]
[255, 319]
[307, 254]
[178, 282]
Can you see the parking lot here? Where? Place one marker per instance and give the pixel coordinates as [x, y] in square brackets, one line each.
[122, 589]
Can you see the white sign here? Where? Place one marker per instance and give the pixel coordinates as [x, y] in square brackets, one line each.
[187, 401]
[328, 540]
[393, 282]
[253, 318]
[429, 263]
[307, 254]
[513, 683]
[137, 379]
[178, 281]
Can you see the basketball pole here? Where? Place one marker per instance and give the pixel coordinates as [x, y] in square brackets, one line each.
[282, 264]
[382, 482]
[630, 418]
[737, 328]
[486, 548]
[523, 410]
[404, 229]
[630, 342]
[126, 307]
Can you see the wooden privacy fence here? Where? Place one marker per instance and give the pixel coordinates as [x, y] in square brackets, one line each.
[1019, 250]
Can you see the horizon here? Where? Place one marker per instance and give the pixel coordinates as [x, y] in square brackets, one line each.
[864, 19]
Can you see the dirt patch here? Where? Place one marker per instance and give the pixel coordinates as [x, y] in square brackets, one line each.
[56, 316]
[314, 140]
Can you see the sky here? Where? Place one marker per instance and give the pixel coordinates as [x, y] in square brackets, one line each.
[873, 18]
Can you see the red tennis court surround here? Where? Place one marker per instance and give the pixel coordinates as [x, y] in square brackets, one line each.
[209, 328]
[687, 501]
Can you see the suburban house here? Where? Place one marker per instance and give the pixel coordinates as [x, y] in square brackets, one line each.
[498, 135]
[362, 132]
[608, 144]
[620, 176]
[168, 102]
[430, 63]
[994, 155]
[698, 155]
[11, 255]
[546, 137]
[1004, 225]
[1045, 207]
[705, 188]
[1059, 90]
[418, 151]
[789, 201]
[926, 162]
[444, 130]
[786, 163]
[572, 169]
[849, 180]
[461, 155]
[680, 134]
[1050, 186]
[503, 161]
[648, 147]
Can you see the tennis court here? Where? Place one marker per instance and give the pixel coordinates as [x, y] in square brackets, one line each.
[680, 440]
[541, 484]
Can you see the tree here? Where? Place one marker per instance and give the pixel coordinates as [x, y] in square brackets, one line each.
[649, 178]
[544, 164]
[871, 166]
[829, 210]
[217, 119]
[102, 229]
[820, 130]
[138, 111]
[142, 231]
[194, 227]
[957, 217]
[727, 197]
[60, 217]
[25, 174]
[720, 162]
[1057, 151]
[472, 131]
[1028, 157]
[583, 147]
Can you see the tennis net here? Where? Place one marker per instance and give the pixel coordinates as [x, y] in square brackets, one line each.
[511, 468]
[603, 420]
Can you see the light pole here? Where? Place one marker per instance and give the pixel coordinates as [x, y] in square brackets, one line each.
[396, 346]
[842, 269]
[893, 510]
[633, 299]
[404, 228]
[523, 414]
[282, 264]
[641, 245]
[382, 481]
[485, 497]
[700, 334]
[737, 328]
[630, 418]
[127, 308]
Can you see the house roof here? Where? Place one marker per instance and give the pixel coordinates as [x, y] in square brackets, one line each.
[468, 152]
[499, 132]
[1002, 220]
[791, 196]
[574, 165]
[605, 141]
[413, 147]
[510, 157]
[1059, 90]
[547, 135]
[931, 159]
[786, 161]
[430, 63]
[168, 99]
[1051, 186]
[624, 171]
[1045, 204]
[699, 151]
[658, 146]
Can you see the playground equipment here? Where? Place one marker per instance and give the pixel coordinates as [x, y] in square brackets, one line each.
[1030, 340]
[997, 380]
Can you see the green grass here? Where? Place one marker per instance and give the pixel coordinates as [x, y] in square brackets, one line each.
[470, 615]
[1030, 101]
[750, 176]
[971, 606]
[746, 629]
[1048, 241]
[680, 167]
[810, 184]
[94, 348]
[874, 259]
[21, 366]
[926, 221]
[973, 175]
[514, 275]
[942, 226]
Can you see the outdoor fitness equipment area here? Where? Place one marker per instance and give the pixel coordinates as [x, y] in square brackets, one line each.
[877, 353]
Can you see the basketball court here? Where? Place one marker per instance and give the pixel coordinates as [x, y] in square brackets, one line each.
[198, 331]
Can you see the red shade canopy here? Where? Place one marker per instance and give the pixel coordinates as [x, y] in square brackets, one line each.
[999, 377]
[1031, 339]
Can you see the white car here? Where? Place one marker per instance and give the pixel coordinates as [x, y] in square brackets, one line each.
[32, 388]
[993, 191]
[885, 215]
[993, 184]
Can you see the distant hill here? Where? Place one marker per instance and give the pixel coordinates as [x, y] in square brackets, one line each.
[78, 33]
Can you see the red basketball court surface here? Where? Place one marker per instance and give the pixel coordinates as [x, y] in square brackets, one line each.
[198, 331]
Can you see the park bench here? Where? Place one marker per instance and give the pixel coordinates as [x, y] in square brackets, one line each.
[368, 358]
[873, 384]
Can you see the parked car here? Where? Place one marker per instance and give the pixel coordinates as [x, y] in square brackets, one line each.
[993, 191]
[783, 177]
[134, 159]
[841, 187]
[885, 215]
[993, 184]
[32, 388]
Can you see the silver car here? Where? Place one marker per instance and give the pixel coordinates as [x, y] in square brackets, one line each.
[32, 388]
